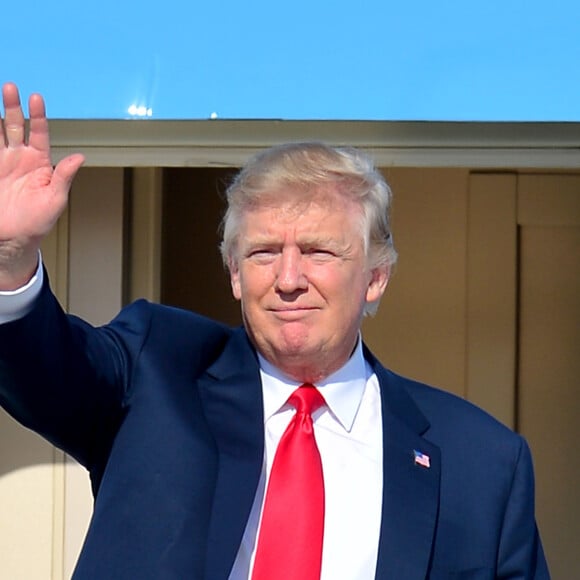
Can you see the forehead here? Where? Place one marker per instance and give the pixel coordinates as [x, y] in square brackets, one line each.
[290, 204]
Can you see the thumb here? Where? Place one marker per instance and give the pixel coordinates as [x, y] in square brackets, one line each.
[65, 172]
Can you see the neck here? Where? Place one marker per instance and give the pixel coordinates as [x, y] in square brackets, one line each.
[302, 370]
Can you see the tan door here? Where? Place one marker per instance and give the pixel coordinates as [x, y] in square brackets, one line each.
[548, 396]
[523, 334]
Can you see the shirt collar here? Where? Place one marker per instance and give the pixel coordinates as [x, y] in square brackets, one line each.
[342, 390]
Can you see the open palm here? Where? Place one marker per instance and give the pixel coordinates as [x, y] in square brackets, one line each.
[32, 193]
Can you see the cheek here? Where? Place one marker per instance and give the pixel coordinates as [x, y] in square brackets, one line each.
[351, 290]
[343, 280]
[251, 284]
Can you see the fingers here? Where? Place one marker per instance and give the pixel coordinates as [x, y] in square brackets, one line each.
[38, 137]
[13, 124]
[12, 129]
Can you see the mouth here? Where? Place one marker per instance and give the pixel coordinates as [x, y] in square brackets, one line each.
[292, 312]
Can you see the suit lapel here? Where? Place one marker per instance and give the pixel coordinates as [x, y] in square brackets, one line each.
[410, 490]
[232, 394]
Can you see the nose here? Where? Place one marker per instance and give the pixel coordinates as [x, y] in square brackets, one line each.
[291, 276]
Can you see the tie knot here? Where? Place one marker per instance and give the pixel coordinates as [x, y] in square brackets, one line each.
[306, 399]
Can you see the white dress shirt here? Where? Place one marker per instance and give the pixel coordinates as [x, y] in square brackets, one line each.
[348, 432]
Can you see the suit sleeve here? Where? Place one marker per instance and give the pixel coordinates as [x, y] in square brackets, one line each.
[520, 551]
[67, 380]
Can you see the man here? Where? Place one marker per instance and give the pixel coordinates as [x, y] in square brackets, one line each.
[280, 450]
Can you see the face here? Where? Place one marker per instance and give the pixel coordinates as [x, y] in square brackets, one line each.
[302, 278]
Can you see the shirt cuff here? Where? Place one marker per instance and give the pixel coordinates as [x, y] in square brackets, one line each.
[17, 304]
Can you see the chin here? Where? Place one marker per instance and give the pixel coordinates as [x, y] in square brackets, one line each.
[296, 338]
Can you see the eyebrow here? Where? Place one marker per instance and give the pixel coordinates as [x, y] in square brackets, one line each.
[305, 240]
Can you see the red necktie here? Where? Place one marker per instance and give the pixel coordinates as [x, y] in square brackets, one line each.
[290, 540]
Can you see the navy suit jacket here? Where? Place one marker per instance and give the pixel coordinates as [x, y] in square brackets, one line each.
[164, 408]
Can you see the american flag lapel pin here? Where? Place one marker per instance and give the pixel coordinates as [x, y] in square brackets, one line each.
[421, 459]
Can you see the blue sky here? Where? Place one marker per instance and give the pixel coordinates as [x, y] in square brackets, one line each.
[501, 60]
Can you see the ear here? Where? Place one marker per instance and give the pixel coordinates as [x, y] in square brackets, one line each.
[235, 279]
[377, 283]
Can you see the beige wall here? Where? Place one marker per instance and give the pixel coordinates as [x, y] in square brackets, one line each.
[450, 317]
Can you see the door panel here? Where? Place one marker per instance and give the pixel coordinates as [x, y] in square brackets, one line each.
[548, 396]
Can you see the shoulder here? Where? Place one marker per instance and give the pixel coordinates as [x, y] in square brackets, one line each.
[456, 424]
[443, 407]
[168, 327]
[168, 315]
[477, 450]
[447, 411]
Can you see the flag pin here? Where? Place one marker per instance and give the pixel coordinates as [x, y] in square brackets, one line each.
[421, 459]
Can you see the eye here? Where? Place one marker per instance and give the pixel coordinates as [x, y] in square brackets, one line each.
[262, 255]
[320, 254]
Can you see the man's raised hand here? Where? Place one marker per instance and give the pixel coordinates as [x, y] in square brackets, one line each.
[33, 194]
